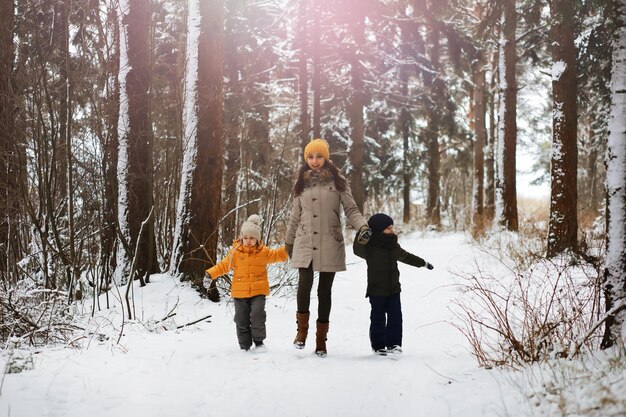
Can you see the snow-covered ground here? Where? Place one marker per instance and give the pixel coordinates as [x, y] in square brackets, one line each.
[158, 370]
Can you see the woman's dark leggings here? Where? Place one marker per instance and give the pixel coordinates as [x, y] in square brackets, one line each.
[324, 288]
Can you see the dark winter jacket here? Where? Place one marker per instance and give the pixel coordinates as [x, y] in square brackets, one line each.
[382, 254]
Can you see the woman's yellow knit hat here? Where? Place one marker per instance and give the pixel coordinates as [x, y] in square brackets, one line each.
[317, 146]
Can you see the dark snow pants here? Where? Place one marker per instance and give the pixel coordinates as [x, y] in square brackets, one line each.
[250, 320]
[385, 322]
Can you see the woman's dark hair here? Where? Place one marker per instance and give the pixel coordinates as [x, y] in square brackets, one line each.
[340, 181]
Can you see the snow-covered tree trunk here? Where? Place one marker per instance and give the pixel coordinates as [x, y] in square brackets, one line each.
[506, 188]
[480, 134]
[615, 263]
[563, 222]
[199, 204]
[135, 166]
[490, 171]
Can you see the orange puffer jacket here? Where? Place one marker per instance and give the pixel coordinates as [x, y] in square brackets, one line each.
[249, 265]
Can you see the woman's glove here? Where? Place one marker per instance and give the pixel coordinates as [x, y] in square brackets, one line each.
[429, 265]
[206, 282]
[289, 249]
[364, 235]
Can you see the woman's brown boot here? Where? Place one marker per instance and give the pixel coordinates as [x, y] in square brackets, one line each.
[302, 320]
[320, 339]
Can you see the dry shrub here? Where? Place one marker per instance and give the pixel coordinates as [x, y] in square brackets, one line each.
[518, 307]
[34, 315]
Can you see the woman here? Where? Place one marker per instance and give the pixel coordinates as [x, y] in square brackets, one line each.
[315, 237]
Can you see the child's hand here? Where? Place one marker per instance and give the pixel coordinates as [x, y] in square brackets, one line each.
[364, 235]
[206, 282]
[429, 265]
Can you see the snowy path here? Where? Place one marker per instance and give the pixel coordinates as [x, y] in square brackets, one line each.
[201, 372]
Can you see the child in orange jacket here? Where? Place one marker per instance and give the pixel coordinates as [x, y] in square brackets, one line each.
[248, 259]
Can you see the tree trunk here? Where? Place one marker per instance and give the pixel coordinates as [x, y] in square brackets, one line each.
[110, 160]
[356, 106]
[435, 87]
[563, 222]
[615, 261]
[135, 166]
[61, 38]
[506, 204]
[316, 82]
[199, 207]
[490, 182]
[232, 119]
[303, 73]
[9, 195]
[480, 134]
[405, 120]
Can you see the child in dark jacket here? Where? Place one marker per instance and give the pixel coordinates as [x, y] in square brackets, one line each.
[382, 254]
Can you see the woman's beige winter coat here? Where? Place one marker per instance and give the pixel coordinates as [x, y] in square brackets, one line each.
[315, 229]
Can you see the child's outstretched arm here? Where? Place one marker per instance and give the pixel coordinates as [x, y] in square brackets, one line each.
[277, 255]
[222, 267]
[410, 259]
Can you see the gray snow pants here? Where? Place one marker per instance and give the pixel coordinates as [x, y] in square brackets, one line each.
[250, 320]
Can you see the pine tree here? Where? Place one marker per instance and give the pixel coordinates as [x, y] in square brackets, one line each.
[563, 224]
[135, 165]
[615, 263]
[506, 203]
[9, 196]
[199, 204]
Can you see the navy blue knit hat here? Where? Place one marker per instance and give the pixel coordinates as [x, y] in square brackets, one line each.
[379, 222]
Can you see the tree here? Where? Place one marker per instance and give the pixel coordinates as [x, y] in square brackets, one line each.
[490, 180]
[110, 148]
[356, 107]
[406, 118]
[9, 161]
[615, 262]
[563, 223]
[506, 201]
[435, 86]
[316, 81]
[303, 72]
[199, 201]
[480, 134]
[135, 165]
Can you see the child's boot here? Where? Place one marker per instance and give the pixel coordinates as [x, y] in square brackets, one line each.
[320, 339]
[302, 320]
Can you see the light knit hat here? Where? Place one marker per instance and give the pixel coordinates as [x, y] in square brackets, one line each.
[252, 227]
[317, 146]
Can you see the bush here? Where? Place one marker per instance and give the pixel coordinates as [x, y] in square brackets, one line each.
[518, 307]
[34, 315]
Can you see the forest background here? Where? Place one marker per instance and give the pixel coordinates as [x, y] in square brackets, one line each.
[137, 135]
